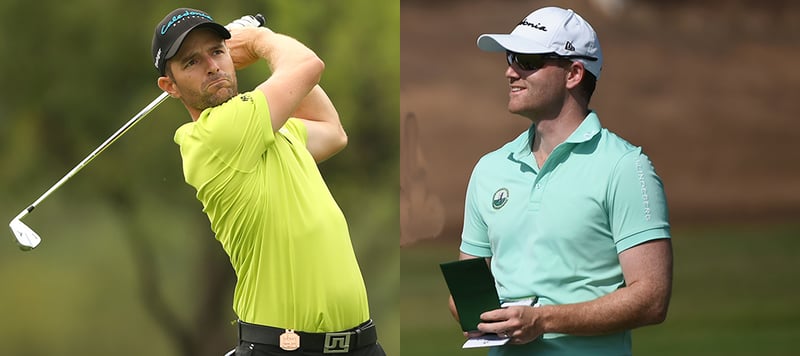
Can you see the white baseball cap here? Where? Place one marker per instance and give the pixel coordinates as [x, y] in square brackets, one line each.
[550, 30]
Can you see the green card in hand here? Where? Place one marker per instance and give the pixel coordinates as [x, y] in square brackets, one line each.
[472, 286]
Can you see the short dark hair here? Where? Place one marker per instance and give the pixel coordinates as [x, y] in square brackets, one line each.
[168, 71]
[587, 85]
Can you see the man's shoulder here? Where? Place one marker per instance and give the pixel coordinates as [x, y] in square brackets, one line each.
[493, 159]
[600, 139]
[182, 131]
[518, 146]
[615, 146]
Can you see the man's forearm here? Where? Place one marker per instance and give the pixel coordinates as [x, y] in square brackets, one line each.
[280, 50]
[625, 309]
[643, 301]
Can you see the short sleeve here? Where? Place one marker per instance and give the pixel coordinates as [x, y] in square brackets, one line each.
[474, 236]
[637, 203]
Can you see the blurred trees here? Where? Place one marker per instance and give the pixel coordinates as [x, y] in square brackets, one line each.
[127, 231]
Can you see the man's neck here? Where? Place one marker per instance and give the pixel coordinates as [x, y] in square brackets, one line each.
[194, 113]
[552, 132]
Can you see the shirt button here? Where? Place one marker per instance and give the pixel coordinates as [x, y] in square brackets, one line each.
[538, 186]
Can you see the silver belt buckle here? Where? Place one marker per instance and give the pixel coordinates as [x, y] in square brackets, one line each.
[337, 343]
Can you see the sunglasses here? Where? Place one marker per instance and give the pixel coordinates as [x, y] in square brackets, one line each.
[532, 62]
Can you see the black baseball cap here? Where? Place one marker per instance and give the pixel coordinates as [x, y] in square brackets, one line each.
[172, 30]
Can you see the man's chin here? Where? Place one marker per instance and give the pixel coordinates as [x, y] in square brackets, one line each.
[221, 96]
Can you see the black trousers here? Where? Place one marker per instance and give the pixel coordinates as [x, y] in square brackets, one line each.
[249, 349]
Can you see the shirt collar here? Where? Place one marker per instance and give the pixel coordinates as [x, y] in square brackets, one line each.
[589, 128]
[586, 130]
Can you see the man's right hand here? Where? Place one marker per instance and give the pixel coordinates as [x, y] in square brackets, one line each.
[244, 45]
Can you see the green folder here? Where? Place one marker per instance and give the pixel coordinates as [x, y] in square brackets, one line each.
[472, 286]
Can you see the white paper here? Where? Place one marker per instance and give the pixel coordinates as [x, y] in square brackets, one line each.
[523, 302]
[485, 340]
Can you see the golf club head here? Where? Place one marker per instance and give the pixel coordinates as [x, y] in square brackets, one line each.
[26, 238]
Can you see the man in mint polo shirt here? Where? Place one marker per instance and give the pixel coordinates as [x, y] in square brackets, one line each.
[567, 212]
[252, 157]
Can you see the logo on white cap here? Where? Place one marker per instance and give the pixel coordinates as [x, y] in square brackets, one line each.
[537, 26]
[550, 30]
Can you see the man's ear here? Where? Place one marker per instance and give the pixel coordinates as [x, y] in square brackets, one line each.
[168, 85]
[575, 74]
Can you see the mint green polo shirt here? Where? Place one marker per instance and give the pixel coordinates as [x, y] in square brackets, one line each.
[556, 231]
[273, 214]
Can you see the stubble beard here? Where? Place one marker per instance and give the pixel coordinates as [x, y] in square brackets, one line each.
[535, 106]
[522, 107]
[208, 98]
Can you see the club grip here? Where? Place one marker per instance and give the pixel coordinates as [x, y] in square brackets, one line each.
[256, 20]
[261, 19]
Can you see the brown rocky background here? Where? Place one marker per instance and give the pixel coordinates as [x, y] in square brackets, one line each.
[709, 89]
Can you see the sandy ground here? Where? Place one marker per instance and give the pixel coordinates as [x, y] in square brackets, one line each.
[711, 92]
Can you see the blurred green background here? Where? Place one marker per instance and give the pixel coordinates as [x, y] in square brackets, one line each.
[128, 265]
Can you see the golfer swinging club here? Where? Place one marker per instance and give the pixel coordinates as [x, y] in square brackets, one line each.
[253, 159]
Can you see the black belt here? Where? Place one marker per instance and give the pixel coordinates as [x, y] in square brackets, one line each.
[327, 343]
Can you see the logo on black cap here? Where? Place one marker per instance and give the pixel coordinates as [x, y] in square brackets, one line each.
[173, 29]
[178, 17]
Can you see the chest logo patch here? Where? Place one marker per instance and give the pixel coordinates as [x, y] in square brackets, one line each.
[500, 198]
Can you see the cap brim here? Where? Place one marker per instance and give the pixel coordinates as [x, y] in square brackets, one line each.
[507, 42]
[176, 46]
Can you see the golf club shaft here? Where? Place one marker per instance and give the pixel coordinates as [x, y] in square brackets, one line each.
[136, 118]
[245, 21]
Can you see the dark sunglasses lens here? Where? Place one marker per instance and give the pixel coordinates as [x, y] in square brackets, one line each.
[525, 61]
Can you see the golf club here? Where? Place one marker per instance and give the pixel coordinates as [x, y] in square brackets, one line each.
[29, 239]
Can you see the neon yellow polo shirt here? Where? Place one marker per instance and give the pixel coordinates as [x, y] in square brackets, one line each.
[556, 231]
[269, 207]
